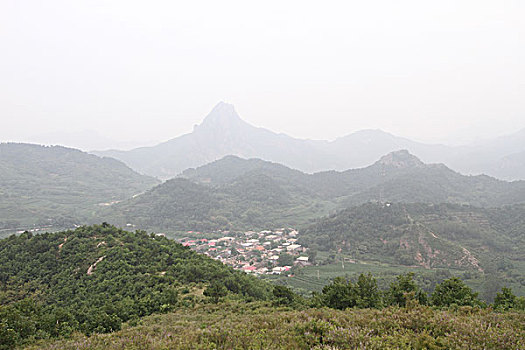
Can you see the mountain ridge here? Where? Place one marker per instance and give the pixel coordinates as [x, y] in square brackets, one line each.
[238, 193]
[223, 132]
[42, 185]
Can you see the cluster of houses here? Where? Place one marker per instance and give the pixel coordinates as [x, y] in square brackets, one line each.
[264, 252]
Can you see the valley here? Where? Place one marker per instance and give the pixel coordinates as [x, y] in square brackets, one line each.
[365, 191]
[245, 232]
[260, 253]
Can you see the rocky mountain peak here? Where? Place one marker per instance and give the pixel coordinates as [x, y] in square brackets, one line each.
[400, 159]
[222, 116]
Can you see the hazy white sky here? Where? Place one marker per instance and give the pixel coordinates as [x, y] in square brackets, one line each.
[150, 70]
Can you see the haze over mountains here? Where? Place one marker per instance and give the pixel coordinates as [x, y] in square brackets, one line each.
[224, 133]
[57, 185]
[366, 191]
[249, 194]
[85, 140]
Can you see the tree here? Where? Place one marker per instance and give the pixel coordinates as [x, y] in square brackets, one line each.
[312, 254]
[234, 252]
[505, 299]
[8, 337]
[491, 286]
[454, 291]
[283, 295]
[401, 288]
[367, 293]
[215, 291]
[340, 294]
[520, 303]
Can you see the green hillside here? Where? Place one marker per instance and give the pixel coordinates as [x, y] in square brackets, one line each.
[251, 202]
[58, 186]
[386, 239]
[428, 235]
[396, 177]
[94, 278]
[77, 285]
[254, 194]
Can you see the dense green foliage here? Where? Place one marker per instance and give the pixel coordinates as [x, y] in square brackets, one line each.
[258, 326]
[94, 278]
[404, 288]
[506, 300]
[428, 235]
[454, 292]
[249, 194]
[181, 205]
[59, 186]
[342, 294]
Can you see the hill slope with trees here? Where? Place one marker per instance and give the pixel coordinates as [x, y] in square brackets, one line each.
[94, 278]
[251, 194]
[53, 185]
[100, 279]
[428, 235]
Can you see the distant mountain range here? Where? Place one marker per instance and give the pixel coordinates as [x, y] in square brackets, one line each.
[397, 177]
[239, 193]
[224, 133]
[399, 210]
[84, 140]
[57, 185]
[42, 185]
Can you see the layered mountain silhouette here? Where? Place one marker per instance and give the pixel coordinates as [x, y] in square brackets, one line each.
[224, 133]
[238, 193]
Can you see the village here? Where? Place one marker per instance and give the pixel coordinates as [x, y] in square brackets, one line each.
[262, 253]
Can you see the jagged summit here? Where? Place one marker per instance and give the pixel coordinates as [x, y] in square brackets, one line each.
[223, 132]
[400, 159]
[221, 116]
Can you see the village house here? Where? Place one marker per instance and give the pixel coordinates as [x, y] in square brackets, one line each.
[252, 252]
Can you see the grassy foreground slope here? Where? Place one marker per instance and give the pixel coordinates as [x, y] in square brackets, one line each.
[258, 326]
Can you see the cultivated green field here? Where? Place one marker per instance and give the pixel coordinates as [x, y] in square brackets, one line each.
[312, 278]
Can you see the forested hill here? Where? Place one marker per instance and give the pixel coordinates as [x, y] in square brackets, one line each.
[94, 278]
[229, 168]
[249, 194]
[428, 235]
[398, 177]
[57, 185]
[254, 201]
